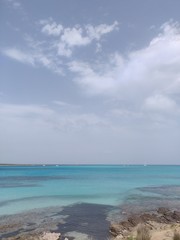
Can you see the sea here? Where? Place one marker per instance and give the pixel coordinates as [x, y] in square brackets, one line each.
[116, 188]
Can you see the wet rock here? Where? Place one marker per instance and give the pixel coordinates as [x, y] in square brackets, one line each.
[148, 217]
[176, 215]
[163, 210]
[134, 220]
[126, 224]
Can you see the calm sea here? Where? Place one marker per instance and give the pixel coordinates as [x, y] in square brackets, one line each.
[29, 187]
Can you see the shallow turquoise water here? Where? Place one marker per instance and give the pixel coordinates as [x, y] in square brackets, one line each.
[24, 188]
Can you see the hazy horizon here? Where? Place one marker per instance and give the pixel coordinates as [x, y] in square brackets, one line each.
[90, 82]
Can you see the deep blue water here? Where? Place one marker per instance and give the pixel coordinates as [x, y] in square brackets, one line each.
[29, 187]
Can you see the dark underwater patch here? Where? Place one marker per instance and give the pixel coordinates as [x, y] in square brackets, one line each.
[89, 219]
[166, 190]
[27, 181]
[86, 218]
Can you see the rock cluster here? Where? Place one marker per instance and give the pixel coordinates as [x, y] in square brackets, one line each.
[162, 215]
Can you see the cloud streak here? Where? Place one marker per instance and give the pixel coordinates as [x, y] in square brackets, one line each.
[42, 114]
[19, 55]
[35, 57]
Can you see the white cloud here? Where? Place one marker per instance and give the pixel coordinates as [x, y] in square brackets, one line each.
[16, 4]
[34, 57]
[146, 76]
[19, 55]
[65, 104]
[63, 50]
[98, 47]
[98, 79]
[76, 36]
[61, 103]
[160, 103]
[47, 53]
[97, 31]
[82, 36]
[14, 111]
[45, 115]
[52, 29]
[139, 79]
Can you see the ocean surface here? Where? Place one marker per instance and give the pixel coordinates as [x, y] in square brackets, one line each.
[25, 188]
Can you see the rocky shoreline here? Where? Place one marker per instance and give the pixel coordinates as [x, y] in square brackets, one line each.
[161, 224]
[56, 224]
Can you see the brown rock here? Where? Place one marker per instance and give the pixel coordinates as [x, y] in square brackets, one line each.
[134, 220]
[126, 224]
[176, 215]
[163, 210]
[147, 217]
[163, 216]
[116, 229]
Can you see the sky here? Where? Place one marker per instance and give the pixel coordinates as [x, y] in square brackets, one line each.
[85, 82]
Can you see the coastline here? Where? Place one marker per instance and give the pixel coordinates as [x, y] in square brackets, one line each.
[159, 224]
[55, 224]
[75, 223]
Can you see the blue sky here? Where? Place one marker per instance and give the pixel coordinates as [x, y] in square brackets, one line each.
[90, 81]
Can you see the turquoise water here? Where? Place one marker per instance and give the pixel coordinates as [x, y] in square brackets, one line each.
[25, 188]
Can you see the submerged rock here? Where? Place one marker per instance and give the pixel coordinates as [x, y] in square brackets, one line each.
[30, 236]
[50, 236]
